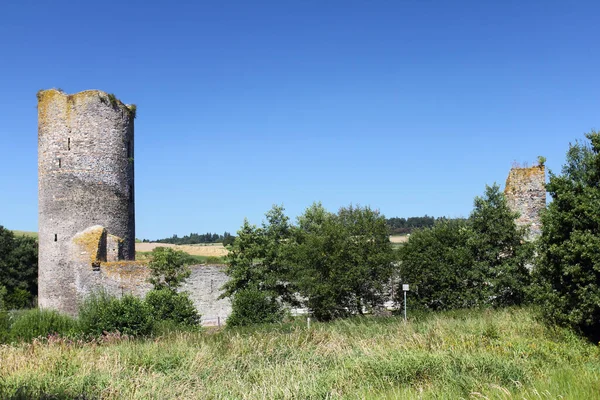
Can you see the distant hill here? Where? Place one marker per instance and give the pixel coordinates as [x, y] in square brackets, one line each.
[24, 233]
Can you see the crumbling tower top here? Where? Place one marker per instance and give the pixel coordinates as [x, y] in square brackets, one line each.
[525, 193]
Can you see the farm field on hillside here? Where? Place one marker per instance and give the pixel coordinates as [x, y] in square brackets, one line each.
[25, 233]
[214, 250]
[468, 354]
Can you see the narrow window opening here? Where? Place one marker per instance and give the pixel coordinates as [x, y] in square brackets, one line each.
[68, 143]
[55, 237]
[59, 163]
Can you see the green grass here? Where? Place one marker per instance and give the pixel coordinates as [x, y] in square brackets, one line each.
[503, 354]
[193, 259]
[25, 233]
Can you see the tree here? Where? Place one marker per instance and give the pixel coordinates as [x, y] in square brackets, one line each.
[500, 249]
[342, 262]
[439, 265]
[568, 267]
[168, 268]
[470, 263]
[18, 268]
[257, 262]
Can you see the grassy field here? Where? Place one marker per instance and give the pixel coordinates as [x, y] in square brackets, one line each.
[25, 233]
[481, 355]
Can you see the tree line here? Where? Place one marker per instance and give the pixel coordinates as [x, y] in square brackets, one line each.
[402, 226]
[341, 264]
[195, 238]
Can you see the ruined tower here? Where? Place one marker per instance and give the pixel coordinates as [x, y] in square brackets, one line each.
[86, 179]
[525, 192]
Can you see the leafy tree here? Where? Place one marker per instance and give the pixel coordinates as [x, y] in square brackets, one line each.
[341, 261]
[258, 258]
[18, 268]
[467, 263]
[568, 267]
[500, 249]
[438, 263]
[168, 268]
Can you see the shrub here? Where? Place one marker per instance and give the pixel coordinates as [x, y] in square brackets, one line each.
[252, 306]
[168, 305]
[40, 322]
[101, 313]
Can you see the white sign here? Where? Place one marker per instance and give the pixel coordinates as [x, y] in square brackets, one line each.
[405, 287]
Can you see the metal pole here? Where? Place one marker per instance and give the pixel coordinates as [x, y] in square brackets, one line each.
[404, 306]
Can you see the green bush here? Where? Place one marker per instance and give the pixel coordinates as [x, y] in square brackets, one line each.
[40, 322]
[252, 306]
[168, 305]
[101, 313]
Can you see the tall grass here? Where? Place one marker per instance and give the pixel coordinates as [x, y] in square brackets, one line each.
[481, 354]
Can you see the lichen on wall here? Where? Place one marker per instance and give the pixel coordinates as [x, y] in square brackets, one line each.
[525, 193]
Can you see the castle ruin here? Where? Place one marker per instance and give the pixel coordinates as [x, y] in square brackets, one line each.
[87, 206]
[525, 192]
[86, 191]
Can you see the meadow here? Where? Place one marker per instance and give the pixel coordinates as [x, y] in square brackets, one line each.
[487, 354]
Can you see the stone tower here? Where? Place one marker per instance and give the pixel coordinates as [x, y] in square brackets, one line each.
[86, 179]
[525, 193]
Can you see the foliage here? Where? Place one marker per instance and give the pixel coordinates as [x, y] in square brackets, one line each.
[500, 249]
[258, 258]
[341, 262]
[478, 262]
[438, 264]
[407, 225]
[128, 315]
[168, 268]
[253, 306]
[2, 296]
[495, 354]
[541, 161]
[168, 305]
[568, 268]
[18, 268]
[195, 238]
[40, 323]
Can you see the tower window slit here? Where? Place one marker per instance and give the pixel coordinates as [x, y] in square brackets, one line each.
[68, 143]
[55, 237]
[59, 163]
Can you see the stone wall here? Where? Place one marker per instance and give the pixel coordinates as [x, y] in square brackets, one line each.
[85, 178]
[526, 194]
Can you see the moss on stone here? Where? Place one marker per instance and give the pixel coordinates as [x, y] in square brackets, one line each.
[91, 242]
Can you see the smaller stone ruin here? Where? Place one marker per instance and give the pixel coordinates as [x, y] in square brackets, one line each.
[525, 193]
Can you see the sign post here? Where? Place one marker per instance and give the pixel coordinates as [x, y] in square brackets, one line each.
[405, 289]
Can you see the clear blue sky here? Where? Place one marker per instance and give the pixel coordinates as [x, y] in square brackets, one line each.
[411, 107]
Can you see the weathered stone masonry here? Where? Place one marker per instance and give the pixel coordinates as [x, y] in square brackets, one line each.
[525, 192]
[85, 178]
[86, 207]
